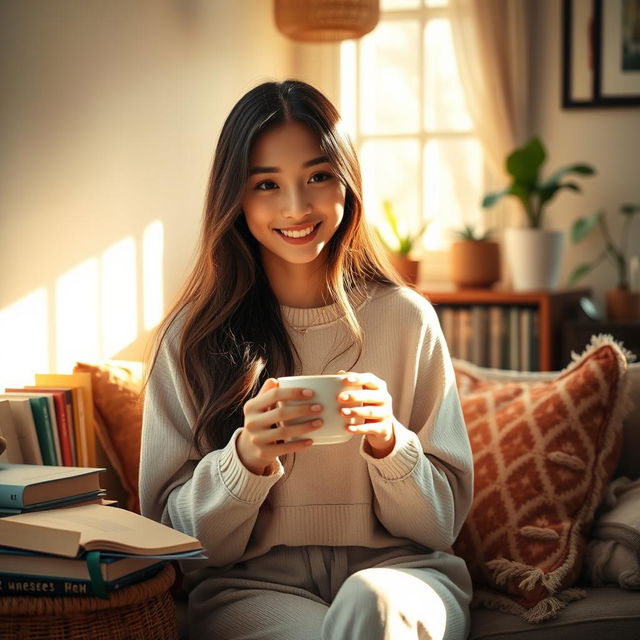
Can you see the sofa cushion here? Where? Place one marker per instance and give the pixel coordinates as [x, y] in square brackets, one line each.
[116, 387]
[605, 613]
[629, 463]
[543, 455]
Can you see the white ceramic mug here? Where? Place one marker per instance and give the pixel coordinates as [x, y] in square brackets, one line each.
[326, 389]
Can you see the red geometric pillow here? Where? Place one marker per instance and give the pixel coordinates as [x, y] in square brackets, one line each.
[543, 454]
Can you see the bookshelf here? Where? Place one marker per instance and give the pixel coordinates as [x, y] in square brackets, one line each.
[517, 330]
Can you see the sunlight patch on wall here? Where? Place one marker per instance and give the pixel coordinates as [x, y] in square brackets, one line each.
[24, 339]
[77, 316]
[152, 281]
[118, 296]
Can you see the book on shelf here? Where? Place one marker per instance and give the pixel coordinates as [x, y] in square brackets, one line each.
[502, 336]
[40, 412]
[75, 530]
[84, 422]
[27, 485]
[479, 333]
[69, 419]
[59, 425]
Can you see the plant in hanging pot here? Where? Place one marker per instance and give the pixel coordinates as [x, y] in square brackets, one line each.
[623, 302]
[399, 250]
[474, 260]
[534, 252]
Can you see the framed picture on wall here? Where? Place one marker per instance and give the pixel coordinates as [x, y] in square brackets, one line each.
[601, 53]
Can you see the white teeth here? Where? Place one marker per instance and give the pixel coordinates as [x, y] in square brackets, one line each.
[297, 234]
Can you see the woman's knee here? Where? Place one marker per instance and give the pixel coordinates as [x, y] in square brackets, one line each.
[390, 603]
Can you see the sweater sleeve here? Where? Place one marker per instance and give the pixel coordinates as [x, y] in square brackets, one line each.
[216, 498]
[423, 488]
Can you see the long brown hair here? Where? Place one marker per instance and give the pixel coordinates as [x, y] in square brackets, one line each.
[233, 336]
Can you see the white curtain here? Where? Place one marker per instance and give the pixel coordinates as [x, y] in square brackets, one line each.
[491, 45]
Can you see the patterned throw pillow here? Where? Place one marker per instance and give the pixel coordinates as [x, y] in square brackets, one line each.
[543, 455]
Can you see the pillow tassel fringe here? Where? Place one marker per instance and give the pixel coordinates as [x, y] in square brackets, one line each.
[503, 570]
[543, 610]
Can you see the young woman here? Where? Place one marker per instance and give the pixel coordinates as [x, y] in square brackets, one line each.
[342, 542]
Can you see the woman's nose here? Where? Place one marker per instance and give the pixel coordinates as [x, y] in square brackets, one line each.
[296, 205]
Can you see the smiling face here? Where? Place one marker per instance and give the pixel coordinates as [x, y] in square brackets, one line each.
[293, 200]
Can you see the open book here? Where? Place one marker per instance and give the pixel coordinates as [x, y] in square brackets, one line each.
[74, 530]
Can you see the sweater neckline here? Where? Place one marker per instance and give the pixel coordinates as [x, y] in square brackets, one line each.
[300, 319]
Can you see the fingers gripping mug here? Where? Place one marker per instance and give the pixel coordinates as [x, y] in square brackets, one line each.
[326, 389]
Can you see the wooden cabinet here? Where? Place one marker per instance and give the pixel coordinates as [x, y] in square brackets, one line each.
[530, 329]
[576, 335]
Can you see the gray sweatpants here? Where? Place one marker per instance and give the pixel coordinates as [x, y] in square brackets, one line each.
[334, 593]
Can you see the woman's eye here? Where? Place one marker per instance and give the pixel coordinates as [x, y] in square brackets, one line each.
[320, 177]
[266, 185]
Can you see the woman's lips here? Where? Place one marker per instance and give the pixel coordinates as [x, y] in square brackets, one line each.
[303, 239]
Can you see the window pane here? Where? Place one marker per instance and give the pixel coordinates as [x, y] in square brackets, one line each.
[394, 5]
[348, 96]
[444, 103]
[390, 171]
[453, 187]
[390, 85]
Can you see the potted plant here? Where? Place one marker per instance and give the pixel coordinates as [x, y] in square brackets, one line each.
[534, 252]
[622, 303]
[404, 241]
[474, 260]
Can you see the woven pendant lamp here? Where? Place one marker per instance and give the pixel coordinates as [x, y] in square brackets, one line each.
[326, 20]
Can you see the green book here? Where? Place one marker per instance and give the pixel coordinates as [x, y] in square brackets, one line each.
[40, 410]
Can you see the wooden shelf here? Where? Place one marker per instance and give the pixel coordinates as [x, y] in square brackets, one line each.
[553, 309]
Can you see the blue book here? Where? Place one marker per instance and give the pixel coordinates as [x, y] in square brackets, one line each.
[41, 575]
[26, 485]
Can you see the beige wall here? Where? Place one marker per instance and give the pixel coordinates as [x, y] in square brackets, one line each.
[608, 138]
[108, 119]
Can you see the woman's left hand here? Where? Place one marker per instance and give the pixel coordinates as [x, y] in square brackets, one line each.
[368, 411]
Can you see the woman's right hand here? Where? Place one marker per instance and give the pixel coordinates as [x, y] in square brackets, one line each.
[265, 436]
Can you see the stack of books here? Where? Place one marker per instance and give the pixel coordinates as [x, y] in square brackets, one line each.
[51, 422]
[497, 336]
[59, 537]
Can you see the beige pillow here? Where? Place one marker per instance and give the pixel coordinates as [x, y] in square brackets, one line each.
[544, 452]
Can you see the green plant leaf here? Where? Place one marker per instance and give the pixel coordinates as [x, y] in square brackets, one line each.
[580, 169]
[583, 226]
[524, 163]
[491, 198]
[405, 245]
[579, 272]
[391, 218]
[629, 209]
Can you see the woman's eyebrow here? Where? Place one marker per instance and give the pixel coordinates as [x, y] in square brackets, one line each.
[308, 163]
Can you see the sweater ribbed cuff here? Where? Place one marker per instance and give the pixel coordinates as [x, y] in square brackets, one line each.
[241, 483]
[402, 459]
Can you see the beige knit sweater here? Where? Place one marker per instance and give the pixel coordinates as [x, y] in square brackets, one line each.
[334, 495]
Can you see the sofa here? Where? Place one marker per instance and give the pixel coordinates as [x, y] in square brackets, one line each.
[580, 596]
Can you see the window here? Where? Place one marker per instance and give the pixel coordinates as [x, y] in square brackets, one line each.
[402, 101]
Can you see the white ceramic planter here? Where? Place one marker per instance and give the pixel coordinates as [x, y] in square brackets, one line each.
[533, 258]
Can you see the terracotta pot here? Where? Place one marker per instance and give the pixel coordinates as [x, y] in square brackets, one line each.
[474, 263]
[406, 267]
[623, 305]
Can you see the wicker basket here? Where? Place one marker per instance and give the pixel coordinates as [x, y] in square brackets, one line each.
[138, 612]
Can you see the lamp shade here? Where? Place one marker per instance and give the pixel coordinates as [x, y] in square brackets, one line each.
[326, 20]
